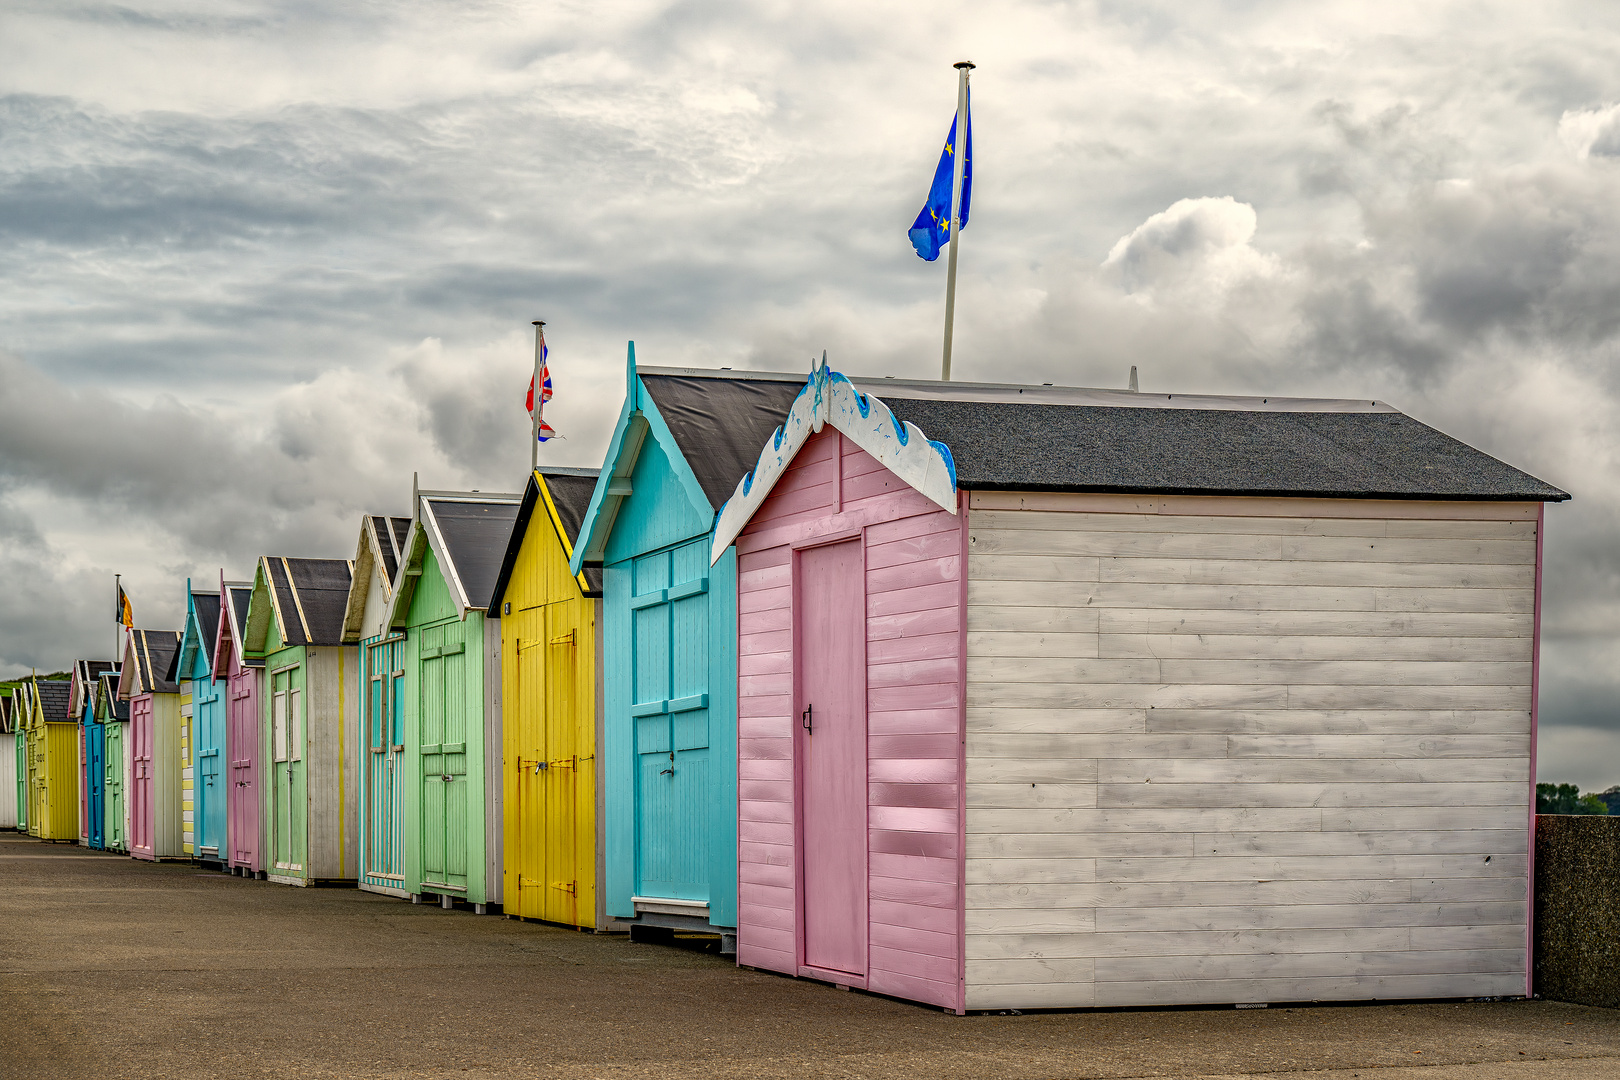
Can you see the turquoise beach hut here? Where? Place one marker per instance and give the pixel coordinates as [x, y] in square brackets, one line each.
[210, 775]
[684, 440]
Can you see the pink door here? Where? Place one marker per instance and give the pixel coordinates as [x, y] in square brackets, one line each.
[830, 616]
[242, 733]
[142, 811]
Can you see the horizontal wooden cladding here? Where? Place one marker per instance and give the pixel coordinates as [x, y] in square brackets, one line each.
[1304, 623]
[1208, 745]
[1080, 671]
[1258, 696]
[1435, 936]
[1036, 503]
[1034, 795]
[1057, 721]
[998, 567]
[1268, 648]
[1507, 839]
[994, 908]
[1068, 823]
[1093, 538]
[1018, 882]
[995, 594]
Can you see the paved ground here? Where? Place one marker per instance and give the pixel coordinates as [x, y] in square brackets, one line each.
[109, 967]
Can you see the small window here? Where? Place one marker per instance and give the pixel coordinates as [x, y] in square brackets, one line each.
[278, 725]
[295, 725]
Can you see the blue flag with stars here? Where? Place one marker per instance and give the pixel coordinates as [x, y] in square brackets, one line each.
[932, 229]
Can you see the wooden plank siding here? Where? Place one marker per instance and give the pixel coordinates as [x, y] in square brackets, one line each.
[1246, 750]
[835, 490]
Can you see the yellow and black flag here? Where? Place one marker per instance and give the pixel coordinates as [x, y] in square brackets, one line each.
[125, 614]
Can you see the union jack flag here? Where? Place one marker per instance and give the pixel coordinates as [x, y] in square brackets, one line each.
[535, 411]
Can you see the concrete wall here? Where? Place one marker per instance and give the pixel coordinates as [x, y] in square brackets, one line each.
[1577, 909]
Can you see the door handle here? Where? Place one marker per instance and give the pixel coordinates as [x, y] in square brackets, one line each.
[806, 717]
[671, 770]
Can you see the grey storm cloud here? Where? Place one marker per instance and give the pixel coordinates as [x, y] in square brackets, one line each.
[263, 261]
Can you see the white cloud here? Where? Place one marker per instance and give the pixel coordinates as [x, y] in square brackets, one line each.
[1589, 131]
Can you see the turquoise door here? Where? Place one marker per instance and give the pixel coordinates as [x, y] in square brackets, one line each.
[382, 725]
[209, 794]
[669, 707]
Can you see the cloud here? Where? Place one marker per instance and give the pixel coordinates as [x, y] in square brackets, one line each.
[1591, 131]
[1197, 246]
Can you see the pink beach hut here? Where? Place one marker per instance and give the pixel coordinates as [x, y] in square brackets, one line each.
[242, 681]
[1055, 698]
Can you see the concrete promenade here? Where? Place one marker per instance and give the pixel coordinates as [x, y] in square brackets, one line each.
[113, 968]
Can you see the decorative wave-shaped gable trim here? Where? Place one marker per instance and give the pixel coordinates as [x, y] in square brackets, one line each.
[829, 397]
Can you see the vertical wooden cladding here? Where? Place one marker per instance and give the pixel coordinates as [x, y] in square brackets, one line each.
[912, 555]
[1246, 750]
[548, 644]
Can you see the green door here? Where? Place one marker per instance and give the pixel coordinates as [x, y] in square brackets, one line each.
[445, 795]
[113, 784]
[288, 816]
[22, 780]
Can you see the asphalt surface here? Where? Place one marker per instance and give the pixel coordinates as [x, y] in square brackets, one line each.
[114, 968]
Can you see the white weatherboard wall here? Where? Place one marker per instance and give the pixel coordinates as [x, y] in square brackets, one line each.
[1245, 750]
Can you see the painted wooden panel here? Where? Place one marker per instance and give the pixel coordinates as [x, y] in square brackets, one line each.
[669, 694]
[115, 809]
[155, 813]
[550, 732]
[310, 753]
[1346, 814]
[245, 792]
[8, 781]
[381, 822]
[911, 552]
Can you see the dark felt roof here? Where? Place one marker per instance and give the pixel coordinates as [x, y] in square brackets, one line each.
[571, 491]
[241, 596]
[392, 532]
[720, 423]
[5, 714]
[475, 535]
[154, 657]
[312, 591]
[85, 675]
[118, 708]
[1041, 447]
[53, 700]
[207, 616]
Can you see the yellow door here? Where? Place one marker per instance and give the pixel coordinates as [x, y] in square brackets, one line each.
[551, 765]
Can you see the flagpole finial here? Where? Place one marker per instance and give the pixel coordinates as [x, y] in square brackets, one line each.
[970, 65]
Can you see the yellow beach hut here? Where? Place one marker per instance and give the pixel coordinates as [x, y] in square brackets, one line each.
[550, 679]
[53, 760]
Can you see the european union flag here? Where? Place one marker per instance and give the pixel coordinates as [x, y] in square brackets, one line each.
[932, 229]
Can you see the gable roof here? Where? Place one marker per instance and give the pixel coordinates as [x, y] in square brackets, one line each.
[234, 599]
[1357, 453]
[308, 596]
[53, 695]
[563, 496]
[148, 655]
[379, 552]
[711, 424]
[938, 437]
[83, 681]
[468, 532]
[200, 634]
[5, 713]
[109, 706]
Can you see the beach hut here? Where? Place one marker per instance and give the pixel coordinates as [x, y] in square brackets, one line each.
[683, 440]
[382, 688]
[112, 713]
[1063, 698]
[243, 709]
[551, 725]
[8, 764]
[203, 705]
[451, 705]
[153, 751]
[308, 718]
[86, 677]
[14, 702]
[53, 760]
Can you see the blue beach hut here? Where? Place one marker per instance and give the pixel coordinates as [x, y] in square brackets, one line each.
[92, 750]
[684, 439]
[210, 781]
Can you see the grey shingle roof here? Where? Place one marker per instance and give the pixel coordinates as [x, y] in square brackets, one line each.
[1249, 451]
[475, 535]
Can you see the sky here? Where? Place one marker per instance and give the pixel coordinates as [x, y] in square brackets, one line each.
[261, 262]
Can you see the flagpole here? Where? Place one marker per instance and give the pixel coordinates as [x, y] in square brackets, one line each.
[959, 163]
[118, 606]
[534, 413]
